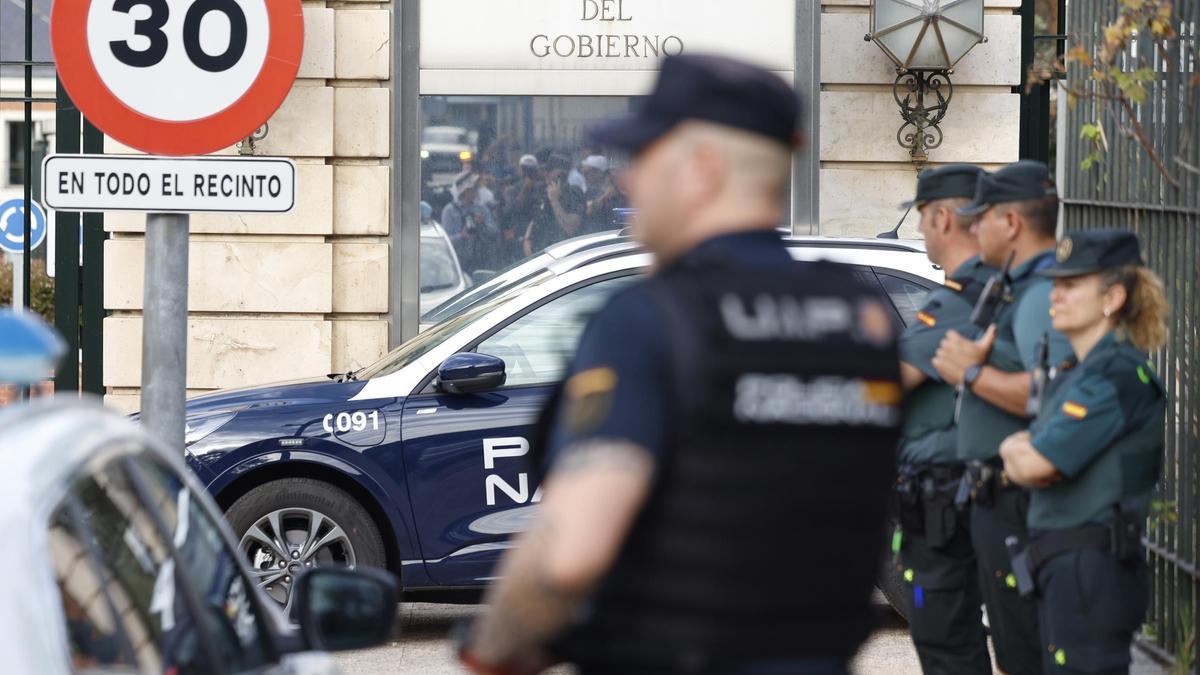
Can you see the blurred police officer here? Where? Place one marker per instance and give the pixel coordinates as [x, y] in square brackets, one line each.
[932, 540]
[1017, 208]
[1093, 455]
[724, 445]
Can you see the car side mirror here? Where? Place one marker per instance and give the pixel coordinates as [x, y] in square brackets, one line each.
[468, 373]
[339, 608]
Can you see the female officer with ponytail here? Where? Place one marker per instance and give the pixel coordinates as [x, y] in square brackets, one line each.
[1093, 455]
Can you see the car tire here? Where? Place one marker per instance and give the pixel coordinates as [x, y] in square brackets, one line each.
[297, 498]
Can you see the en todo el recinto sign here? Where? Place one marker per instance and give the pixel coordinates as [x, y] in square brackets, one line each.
[169, 184]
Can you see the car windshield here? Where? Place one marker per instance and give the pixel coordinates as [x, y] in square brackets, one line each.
[420, 345]
[522, 274]
[439, 271]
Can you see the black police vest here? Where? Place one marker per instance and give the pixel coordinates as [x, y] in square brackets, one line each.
[762, 537]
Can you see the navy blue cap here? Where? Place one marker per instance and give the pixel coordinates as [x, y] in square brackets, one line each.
[1086, 252]
[953, 181]
[1018, 182]
[713, 89]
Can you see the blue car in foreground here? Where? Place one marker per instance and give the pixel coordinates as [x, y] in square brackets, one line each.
[417, 463]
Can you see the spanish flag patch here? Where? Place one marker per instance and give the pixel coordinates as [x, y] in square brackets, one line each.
[1073, 409]
[953, 285]
[589, 398]
[926, 319]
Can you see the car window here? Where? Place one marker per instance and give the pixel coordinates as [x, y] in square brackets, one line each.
[127, 601]
[91, 607]
[211, 566]
[121, 604]
[439, 270]
[537, 346]
[906, 295]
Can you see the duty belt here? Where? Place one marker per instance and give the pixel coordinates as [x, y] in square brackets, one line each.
[981, 482]
[1121, 538]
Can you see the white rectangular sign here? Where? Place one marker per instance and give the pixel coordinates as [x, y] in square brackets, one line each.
[602, 35]
[168, 184]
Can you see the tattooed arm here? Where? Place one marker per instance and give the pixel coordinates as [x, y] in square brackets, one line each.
[590, 501]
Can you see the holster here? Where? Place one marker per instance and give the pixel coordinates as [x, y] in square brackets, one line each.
[925, 501]
[906, 498]
[981, 482]
[1127, 535]
[1024, 572]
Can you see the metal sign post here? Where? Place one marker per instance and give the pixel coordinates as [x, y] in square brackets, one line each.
[18, 285]
[164, 327]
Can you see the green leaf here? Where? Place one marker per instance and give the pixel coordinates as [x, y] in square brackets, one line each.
[1145, 75]
[1129, 86]
[1089, 131]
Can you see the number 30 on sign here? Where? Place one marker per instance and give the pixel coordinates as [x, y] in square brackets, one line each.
[177, 77]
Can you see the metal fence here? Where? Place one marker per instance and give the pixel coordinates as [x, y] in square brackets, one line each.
[1126, 189]
[79, 253]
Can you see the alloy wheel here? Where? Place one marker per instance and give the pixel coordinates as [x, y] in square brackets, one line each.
[283, 543]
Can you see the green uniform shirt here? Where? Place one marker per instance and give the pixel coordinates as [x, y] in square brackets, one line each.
[1101, 426]
[928, 435]
[1021, 324]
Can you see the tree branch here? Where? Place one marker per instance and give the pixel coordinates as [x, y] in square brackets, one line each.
[1145, 142]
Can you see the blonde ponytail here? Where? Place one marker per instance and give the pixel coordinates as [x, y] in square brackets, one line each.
[1143, 317]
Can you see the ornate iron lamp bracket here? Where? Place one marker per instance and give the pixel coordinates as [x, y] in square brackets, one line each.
[923, 97]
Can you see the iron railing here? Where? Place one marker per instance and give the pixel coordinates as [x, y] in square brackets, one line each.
[79, 284]
[1127, 189]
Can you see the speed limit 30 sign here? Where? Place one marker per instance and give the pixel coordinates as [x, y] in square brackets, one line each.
[177, 77]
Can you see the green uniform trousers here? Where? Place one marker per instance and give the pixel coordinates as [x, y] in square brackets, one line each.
[1013, 619]
[1089, 605]
[943, 604]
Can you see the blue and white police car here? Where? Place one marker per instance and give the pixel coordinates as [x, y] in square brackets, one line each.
[417, 463]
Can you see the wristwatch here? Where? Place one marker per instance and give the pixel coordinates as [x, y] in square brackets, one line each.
[971, 375]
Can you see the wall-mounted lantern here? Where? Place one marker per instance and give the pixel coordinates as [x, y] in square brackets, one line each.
[925, 39]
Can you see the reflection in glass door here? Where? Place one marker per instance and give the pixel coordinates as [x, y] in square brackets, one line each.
[505, 177]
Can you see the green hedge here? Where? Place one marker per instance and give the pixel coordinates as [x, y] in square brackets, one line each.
[41, 288]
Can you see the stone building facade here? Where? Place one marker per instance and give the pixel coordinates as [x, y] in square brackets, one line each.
[307, 293]
[295, 295]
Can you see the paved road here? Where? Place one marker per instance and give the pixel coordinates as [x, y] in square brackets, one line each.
[421, 647]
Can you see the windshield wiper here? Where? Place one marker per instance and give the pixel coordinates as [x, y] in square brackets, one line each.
[350, 376]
